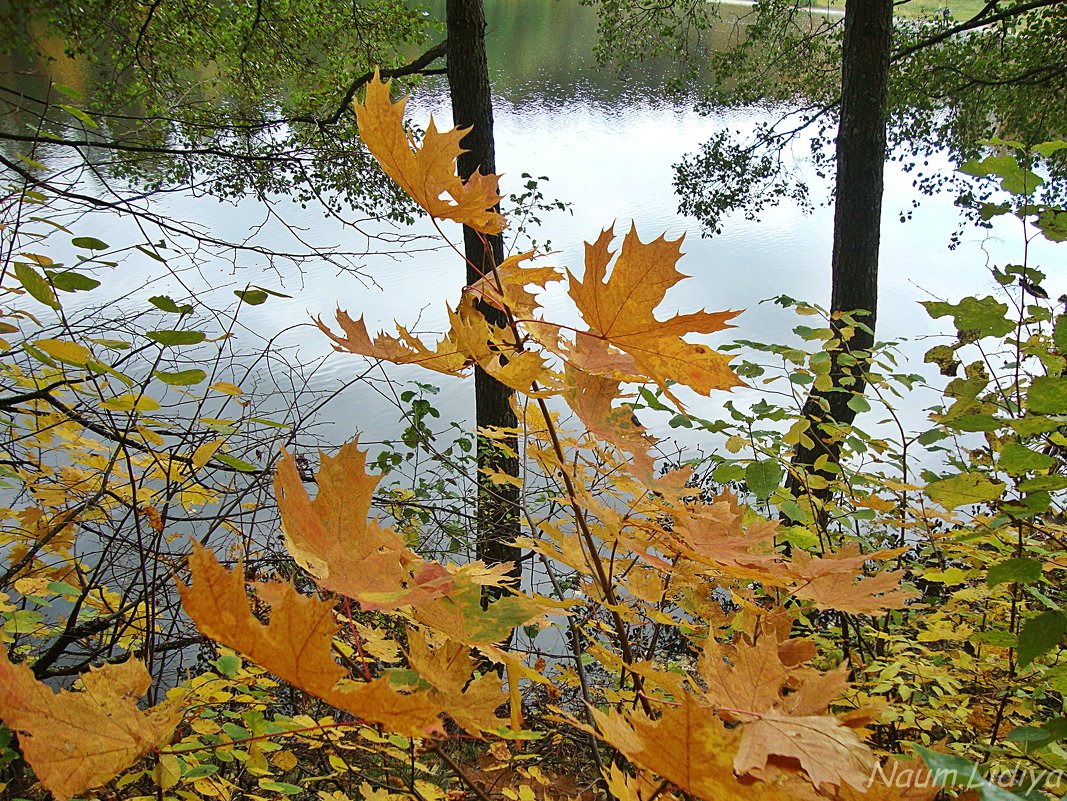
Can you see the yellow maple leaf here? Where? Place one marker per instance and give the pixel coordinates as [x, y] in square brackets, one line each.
[75, 741]
[619, 310]
[296, 644]
[427, 172]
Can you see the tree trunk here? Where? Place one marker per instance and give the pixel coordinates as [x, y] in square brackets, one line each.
[472, 106]
[861, 152]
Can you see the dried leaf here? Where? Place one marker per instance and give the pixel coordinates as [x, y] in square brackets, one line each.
[331, 538]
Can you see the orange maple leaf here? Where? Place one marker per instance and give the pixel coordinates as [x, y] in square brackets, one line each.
[331, 538]
[427, 172]
[75, 741]
[445, 357]
[295, 645]
[619, 310]
[828, 581]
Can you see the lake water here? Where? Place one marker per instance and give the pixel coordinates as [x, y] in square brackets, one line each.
[607, 146]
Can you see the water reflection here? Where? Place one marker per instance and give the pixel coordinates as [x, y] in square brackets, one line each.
[608, 147]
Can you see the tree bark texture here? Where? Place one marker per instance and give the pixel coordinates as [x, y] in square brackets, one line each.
[861, 154]
[472, 106]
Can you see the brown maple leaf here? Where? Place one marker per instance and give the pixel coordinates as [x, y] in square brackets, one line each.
[427, 172]
[75, 741]
[782, 712]
[690, 747]
[619, 310]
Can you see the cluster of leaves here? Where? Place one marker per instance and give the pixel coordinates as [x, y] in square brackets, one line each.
[714, 651]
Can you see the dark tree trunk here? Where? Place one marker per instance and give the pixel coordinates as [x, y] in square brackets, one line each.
[861, 152]
[472, 106]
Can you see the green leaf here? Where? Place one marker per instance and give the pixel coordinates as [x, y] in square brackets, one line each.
[228, 665]
[70, 281]
[36, 284]
[177, 337]
[964, 489]
[763, 478]
[182, 378]
[1021, 570]
[235, 463]
[131, 403]
[200, 772]
[89, 243]
[1047, 395]
[151, 254]
[859, 404]
[253, 297]
[985, 315]
[167, 304]
[78, 114]
[280, 787]
[1039, 635]
[1015, 460]
[263, 421]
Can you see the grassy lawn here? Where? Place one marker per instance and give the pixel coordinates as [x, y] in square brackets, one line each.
[961, 9]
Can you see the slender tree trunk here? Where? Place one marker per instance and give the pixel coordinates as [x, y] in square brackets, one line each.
[472, 105]
[861, 151]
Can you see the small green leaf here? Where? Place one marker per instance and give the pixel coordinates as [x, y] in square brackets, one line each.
[177, 337]
[228, 665]
[89, 243]
[182, 378]
[78, 114]
[1047, 395]
[1021, 570]
[36, 284]
[859, 404]
[235, 463]
[70, 281]
[1015, 460]
[151, 254]
[763, 478]
[167, 304]
[200, 772]
[253, 297]
[985, 315]
[963, 489]
[1040, 635]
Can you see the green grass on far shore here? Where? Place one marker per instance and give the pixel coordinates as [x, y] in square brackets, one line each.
[960, 9]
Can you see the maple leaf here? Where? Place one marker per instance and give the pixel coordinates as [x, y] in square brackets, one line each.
[620, 313]
[331, 538]
[782, 712]
[78, 740]
[295, 645]
[448, 668]
[446, 357]
[689, 746]
[427, 172]
[715, 534]
[827, 581]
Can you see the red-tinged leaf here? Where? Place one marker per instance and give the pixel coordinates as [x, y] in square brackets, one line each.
[75, 741]
[427, 172]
